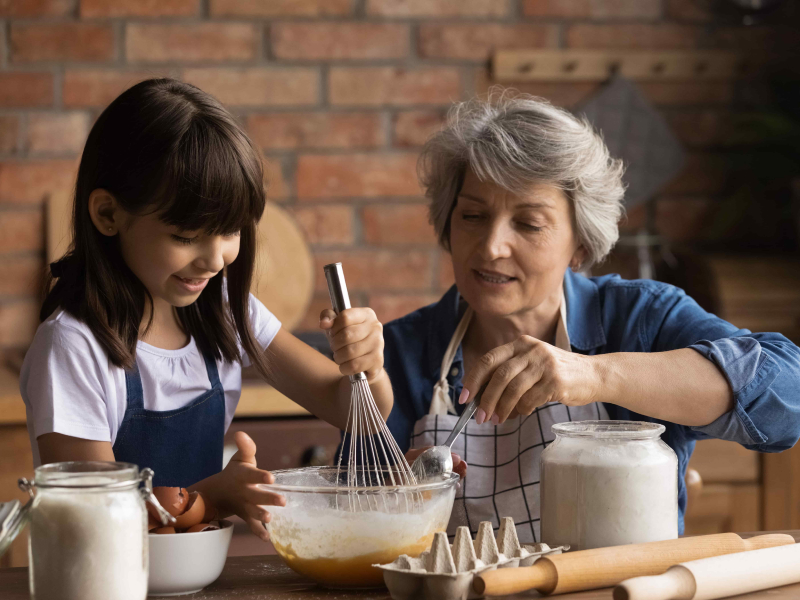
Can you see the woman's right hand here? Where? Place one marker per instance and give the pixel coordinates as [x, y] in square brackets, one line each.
[459, 465]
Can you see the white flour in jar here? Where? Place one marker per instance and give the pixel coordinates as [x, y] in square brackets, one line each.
[88, 545]
[599, 492]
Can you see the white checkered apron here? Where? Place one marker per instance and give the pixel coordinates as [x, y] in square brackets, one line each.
[503, 460]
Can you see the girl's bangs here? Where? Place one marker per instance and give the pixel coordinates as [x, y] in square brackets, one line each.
[213, 184]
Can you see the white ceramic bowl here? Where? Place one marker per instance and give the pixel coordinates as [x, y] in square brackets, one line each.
[184, 563]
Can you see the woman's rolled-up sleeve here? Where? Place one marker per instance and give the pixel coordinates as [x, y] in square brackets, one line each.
[763, 370]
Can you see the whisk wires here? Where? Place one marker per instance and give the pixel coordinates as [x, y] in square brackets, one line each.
[373, 457]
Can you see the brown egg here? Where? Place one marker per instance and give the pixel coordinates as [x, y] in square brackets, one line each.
[152, 523]
[211, 513]
[195, 510]
[202, 527]
[173, 499]
[165, 530]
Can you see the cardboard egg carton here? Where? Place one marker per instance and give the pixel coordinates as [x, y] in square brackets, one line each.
[445, 572]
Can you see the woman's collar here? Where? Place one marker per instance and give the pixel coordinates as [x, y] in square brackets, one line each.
[584, 316]
[584, 319]
[446, 315]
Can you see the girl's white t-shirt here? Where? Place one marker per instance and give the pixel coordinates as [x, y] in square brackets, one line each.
[70, 386]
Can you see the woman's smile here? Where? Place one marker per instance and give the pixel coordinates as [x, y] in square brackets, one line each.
[492, 279]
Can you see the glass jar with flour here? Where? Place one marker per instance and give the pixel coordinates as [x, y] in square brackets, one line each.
[88, 530]
[608, 483]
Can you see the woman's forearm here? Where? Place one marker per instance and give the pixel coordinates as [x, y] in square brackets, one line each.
[679, 386]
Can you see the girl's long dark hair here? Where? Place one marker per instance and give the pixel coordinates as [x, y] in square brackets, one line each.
[164, 147]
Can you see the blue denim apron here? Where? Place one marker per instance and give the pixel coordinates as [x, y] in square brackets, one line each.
[184, 445]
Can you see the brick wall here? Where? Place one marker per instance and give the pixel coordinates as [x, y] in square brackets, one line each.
[339, 95]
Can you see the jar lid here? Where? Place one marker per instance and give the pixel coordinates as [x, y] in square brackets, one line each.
[87, 474]
[610, 430]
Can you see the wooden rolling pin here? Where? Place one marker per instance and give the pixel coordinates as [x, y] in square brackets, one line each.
[605, 567]
[717, 577]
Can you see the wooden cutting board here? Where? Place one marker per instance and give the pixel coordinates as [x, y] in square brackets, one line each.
[283, 278]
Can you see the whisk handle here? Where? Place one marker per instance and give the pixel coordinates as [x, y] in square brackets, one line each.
[337, 288]
[340, 299]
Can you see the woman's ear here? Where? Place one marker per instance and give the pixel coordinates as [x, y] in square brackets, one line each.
[578, 258]
[104, 211]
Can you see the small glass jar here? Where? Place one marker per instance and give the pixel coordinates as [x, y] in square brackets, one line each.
[608, 483]
[88, 531]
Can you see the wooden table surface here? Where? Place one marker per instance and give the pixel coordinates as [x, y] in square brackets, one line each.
[268, 578]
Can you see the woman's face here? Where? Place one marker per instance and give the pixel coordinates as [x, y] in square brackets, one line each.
[510, 250]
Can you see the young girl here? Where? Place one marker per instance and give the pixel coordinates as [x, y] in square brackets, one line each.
[139, 356]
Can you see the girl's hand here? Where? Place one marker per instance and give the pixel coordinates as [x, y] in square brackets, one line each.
[238, 491]
[459, 465]
[356, 338]
[528, 373]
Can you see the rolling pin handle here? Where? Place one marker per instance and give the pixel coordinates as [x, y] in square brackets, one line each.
[768, 540]
[541, 576]
[676, 584]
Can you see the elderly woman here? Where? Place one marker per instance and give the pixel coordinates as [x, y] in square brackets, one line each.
[524, 195]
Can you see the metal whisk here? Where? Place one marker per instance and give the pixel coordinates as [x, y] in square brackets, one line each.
[374, 458]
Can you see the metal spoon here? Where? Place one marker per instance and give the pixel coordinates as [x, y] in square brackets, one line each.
[438, 461]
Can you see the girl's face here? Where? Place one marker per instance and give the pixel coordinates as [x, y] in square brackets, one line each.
[510, 250]
[174, 265]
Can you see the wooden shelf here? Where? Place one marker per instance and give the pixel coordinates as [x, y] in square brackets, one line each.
[599, 65]
[262, 400]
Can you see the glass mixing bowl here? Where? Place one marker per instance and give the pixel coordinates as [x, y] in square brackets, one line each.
[335, 534]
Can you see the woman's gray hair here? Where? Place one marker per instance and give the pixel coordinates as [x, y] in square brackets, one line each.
[514, 141]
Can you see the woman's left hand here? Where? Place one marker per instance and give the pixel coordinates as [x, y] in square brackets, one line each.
[526, 374]
[356, 339]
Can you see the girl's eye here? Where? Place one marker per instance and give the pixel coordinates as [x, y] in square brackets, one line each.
[183, 240]
[471, 216]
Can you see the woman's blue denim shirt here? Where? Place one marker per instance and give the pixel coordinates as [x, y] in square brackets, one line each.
[609, 314]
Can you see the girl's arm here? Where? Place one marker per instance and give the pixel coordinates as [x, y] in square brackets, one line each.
[322, 386]
[57, 447]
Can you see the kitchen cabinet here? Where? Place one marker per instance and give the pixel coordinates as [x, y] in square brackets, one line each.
[730, 498]
[743, 490]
